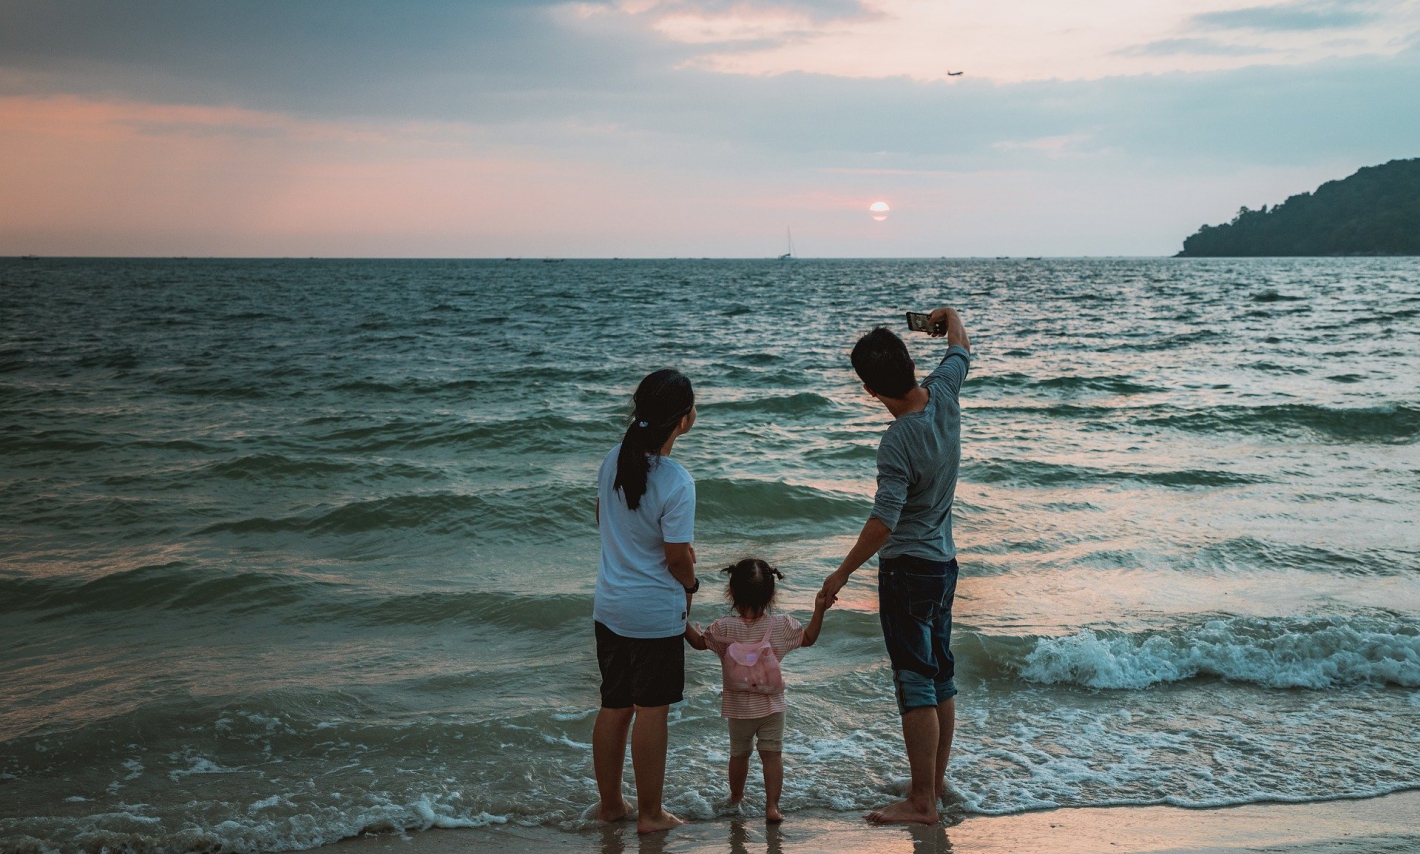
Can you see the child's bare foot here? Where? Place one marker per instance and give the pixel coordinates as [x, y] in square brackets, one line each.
[904, 812]
[772, 814]
[613, 813]
[730, 808]
[656, 823]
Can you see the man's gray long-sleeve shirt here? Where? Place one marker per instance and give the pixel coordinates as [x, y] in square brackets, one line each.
[918, 459]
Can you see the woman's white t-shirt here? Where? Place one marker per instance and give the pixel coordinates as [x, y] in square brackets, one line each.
[637, 597]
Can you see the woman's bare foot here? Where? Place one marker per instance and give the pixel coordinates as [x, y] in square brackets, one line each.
[772, 814]
[904, 812]
[613, 814]
[656, 823]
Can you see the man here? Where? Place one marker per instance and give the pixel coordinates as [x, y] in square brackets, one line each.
[910, 528]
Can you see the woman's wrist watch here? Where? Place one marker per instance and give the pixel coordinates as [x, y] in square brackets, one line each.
[694, 590]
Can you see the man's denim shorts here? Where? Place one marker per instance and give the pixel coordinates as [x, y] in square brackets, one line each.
[915, 607]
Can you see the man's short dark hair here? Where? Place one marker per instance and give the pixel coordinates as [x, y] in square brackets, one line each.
[883, 364]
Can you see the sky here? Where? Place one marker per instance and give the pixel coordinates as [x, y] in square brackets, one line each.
[673, 128]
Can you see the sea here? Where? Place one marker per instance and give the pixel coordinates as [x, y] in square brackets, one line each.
[295, 550]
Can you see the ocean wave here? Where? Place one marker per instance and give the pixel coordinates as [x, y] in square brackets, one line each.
[131, 832]
[538, 430]
[1273, 653]
[1035, 473]
[180, 587]
[1271, 295]
[474, 608]
[1110, 383]
[801, 403]
[722, 500]
[542, 512]
[1371, 424]
[15, 439]
[279, 467]
[167, 586]
[1397, 423]
[411, 386]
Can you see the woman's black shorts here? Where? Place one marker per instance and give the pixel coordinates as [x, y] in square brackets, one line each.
[644, 672]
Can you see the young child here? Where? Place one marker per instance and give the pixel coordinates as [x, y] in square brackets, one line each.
[755, 715]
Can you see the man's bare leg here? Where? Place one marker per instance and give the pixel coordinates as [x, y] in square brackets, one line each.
[920, 731]
[739, 773]
[946, 727]
[648, 760]
[608, 757]
[773, 762]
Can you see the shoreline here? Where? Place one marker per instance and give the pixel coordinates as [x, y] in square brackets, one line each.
[1388, 823]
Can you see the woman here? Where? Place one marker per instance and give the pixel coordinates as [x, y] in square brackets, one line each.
[646, 516]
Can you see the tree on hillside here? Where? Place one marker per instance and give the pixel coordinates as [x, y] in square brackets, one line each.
[1373, 212]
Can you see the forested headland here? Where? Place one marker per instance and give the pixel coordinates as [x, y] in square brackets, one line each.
[1373, 212]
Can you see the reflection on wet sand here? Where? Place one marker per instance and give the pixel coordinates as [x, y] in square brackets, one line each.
[742, 836]
[1390, 823]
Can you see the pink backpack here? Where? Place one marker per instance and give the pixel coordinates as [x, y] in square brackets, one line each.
[753, 667]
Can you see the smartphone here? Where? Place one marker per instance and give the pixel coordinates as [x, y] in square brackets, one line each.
[919, 322]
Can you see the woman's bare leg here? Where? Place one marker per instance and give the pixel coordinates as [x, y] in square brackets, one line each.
[648, 760]
[608, 758]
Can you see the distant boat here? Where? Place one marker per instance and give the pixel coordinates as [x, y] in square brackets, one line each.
[1032, 257]
[552, 260]
[29, 257]
[1003, 257]
[789, 240]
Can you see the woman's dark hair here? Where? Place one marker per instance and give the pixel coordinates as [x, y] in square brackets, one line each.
[883, 364]
[751, 588]
[661, 400]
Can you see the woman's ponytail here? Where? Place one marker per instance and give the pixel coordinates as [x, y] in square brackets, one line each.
[661, 400]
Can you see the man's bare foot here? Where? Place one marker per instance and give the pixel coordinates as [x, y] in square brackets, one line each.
[613, 814]
[904, 812]
[656, 823]
[773, 815]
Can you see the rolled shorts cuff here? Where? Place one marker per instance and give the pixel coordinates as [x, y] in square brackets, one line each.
[915, 691]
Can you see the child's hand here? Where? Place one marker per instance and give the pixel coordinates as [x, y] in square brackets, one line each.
[821, 602]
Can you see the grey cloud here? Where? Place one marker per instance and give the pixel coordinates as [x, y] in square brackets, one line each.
[1302, 15]
[1192, 47]
[524, 79]
[818, 10]
[328, 57]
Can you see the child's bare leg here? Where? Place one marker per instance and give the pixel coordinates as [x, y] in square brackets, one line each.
[739, 772]
[773, 762]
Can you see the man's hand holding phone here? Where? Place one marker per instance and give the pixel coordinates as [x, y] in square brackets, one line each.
[941, 323]
[938, 319]
[918, 321]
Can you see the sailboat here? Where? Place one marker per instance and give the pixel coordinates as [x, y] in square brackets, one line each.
[789, 240]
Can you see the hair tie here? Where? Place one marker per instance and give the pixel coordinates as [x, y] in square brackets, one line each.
[642, 423]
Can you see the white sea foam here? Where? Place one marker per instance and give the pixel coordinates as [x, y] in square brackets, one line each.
[199, 765]
[1271, 653]
[434, 814]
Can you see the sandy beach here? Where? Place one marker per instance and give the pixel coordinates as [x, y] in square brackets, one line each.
[1385, 824]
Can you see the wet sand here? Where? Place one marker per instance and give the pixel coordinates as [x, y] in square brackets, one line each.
[1385, 824]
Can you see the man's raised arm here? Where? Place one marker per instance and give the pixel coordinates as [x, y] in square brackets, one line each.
[956, 331]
